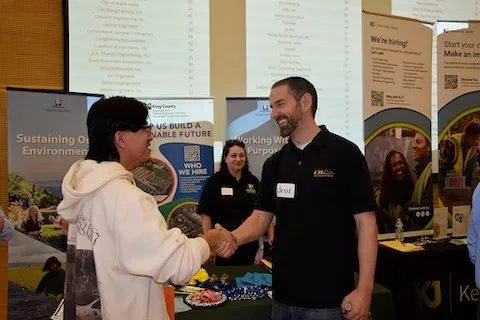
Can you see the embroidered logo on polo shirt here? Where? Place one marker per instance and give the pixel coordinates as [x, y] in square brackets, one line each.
[251, 189]
[323, 173]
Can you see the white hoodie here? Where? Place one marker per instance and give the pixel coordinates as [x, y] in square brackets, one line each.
[122, 246]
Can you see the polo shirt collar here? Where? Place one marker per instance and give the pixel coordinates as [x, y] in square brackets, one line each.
[227, 175]
[320, 140]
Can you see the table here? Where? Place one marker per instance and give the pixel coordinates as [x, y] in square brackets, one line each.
[382, 304]
[437, 283]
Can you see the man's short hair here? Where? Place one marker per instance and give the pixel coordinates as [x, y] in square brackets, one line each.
[472, 129]
[105, 118]
[426, 139]
[297, 87]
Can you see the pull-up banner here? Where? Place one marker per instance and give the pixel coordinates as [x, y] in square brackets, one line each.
[397, 76]
[458, 118]
[46, 133]
[181, 159]
[248, 120]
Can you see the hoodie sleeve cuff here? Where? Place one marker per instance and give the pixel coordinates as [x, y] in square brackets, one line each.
[205, 248]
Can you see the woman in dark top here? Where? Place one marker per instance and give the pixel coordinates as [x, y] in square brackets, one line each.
[53, 281]
[395, 191]
[228, 198]
[33, 224]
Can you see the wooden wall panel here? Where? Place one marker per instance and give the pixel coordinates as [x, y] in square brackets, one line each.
[3, 203]
[31, 44]
[227, 58]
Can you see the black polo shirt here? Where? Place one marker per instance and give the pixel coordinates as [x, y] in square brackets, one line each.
[315, 193]
[228, 201]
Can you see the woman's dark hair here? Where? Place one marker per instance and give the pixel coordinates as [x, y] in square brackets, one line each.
[50, 261]
[105, 118]
[226, 150]
[392, 190]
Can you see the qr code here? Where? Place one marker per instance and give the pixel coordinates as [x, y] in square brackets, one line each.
[451, 81]
[377, 98]
[191, 153]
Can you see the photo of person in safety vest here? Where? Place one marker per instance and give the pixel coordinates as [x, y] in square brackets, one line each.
[458, 156]
[476, 171]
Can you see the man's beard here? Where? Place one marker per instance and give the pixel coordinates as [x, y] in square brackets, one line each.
[292, 122]
[291, 126]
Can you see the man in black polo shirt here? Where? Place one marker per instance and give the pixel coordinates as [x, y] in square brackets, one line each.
[319, 188]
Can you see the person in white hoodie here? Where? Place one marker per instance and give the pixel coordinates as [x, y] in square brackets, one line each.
[6, 228]
[120, 253]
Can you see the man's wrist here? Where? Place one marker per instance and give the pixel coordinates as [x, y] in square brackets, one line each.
[365, 288]
[235, 236]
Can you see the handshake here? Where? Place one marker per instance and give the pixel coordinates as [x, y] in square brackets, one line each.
[221, 241]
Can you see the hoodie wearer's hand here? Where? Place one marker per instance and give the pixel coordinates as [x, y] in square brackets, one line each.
[221, 240]
[226, 248]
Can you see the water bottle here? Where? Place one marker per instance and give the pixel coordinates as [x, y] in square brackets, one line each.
[399, 230]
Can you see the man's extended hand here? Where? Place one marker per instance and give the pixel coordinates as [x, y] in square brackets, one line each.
[360, 305]
[221, 241]
[226, 248]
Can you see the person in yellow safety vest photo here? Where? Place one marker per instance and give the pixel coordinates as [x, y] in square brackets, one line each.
[458, 153]
[476, 171]
[422, 195]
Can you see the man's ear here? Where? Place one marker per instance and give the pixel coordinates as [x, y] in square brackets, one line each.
[119, 139]
[306, 102]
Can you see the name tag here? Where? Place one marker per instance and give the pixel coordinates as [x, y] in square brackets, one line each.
[227, 191]
[286, 190]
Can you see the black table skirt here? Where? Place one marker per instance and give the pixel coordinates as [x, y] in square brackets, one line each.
[436, 283]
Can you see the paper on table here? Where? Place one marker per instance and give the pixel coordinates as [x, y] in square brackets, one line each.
[259, 279]
[460, 218]
[459, 242]
[440, 223]
[405, 247]
[240, 283]
[268, 278]
[180, 305]
[267, 263]
[249, 278]
[255, 279]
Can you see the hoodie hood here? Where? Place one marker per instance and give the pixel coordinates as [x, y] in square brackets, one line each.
[83, 178]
